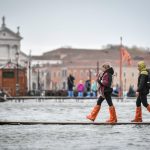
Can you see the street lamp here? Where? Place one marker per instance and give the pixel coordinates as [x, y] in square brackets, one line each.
[38, 79]
[90, 77]
[29, 70]
[17, 74]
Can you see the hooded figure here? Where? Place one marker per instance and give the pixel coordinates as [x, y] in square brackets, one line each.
[70, 82]
[143, 78]
[105, 81]
[105, 90]
[142, 91]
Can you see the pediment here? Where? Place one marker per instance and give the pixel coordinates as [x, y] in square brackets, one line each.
[6, 33]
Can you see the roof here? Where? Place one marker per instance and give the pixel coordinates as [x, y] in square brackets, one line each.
[10, 65]
[3, 28]
[91, 55]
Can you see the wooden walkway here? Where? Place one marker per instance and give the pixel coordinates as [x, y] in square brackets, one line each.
[69, 123]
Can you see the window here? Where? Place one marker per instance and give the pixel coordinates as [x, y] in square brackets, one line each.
[42, 73]
[116, 74]
[64, 85]
[59, 74]
[54, 75]
[4, 34]
[124, 74]
[64, 73]
[87, 72]
[8, 74]
[81, 73]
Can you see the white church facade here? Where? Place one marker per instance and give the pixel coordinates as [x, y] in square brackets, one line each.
[10, 44]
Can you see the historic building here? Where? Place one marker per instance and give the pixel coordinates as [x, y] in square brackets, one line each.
[13, 62]
[82, 64]
[50, 70]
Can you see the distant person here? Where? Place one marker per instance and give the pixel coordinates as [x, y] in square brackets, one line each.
[70, 82]
[1, 93]
[94, 88]
[80, 88]
[4, 93]
[141, 92]
[115, 91]
[131, 92]
[88, 87]
[105, 82]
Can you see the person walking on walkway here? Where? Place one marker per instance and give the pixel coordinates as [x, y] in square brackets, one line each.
[105, 81]
[142, 91]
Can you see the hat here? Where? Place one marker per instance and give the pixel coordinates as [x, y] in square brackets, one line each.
[141, 65]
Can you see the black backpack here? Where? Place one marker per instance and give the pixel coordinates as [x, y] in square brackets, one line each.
[148, 82]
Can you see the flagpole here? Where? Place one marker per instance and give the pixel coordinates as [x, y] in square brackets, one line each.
[97, 67]
[121, 84]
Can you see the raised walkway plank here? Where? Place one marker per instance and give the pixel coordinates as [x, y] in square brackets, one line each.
[69, 123]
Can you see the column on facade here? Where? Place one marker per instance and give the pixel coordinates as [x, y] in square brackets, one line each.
[9, 54]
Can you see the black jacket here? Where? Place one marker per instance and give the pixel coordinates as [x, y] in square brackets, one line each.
[70, 82]
[88, 85]
[142, 84]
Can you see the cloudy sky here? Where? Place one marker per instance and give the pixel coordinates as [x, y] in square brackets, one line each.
[50, 24]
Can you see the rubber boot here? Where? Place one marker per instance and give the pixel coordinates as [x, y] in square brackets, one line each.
[92, 116]
[113, 116]
[138, 115]
[148, 108]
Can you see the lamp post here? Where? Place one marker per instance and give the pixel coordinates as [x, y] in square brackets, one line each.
[97, 68]
[90, 77]
[29, 70]
[17, 74]
[38, 79]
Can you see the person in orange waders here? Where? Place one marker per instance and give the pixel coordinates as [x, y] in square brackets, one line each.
[142, 91]
[105, 81]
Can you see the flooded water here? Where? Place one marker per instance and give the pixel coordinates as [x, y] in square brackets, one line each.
[70, 137]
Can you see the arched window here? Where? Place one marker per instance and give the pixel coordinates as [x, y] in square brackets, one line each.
[54, 74]
[124, 74]
[116, 74]
[81, 73]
